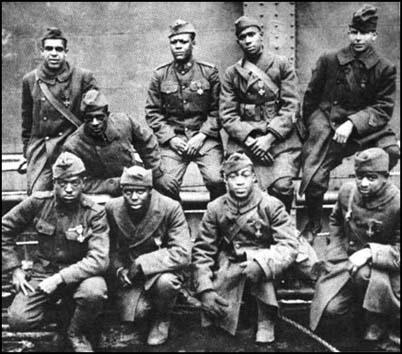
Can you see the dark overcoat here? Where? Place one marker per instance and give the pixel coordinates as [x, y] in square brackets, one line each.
[344, 87]
[356, 223]
[44, 129]
[159, 243]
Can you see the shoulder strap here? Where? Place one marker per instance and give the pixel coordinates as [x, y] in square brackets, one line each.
[262, 75]
[348, 214]
[57, 104]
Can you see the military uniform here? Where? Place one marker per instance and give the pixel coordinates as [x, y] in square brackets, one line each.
[44, 129]
[105, 159]
[72, 242]
[182, 101]
[252, 106]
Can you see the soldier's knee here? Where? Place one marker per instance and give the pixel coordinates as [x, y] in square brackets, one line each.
[335, 308]
[92, 289]
[283, 186]
[22, 320]
[167, 284]
[394, 154]
[143, 308]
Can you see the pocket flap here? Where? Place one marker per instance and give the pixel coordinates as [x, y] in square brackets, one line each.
[44, 227]
[169, 87]
[203, 85]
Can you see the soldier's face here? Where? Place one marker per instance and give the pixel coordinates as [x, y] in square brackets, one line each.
[240, 183]
[369, 183]
[96, 122]
[54, 53]
[181, 46]
[136, 197]
[69, 189]
[250, 40]
[361, 41]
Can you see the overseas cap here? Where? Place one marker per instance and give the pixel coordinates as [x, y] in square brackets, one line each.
[67, 165]
[136, 176]
[181, 26]
[245, 21]
[235, 162]
[53, 33]
[372, 160]
[365, 19]
[92, 101]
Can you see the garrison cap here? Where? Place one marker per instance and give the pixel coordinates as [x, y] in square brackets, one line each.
[365, 19]
[136, 176]
[54, 33]
[372, 160]
[181, 26]
[67, 165]
[245, 21]
[93, 101]
[236, 162]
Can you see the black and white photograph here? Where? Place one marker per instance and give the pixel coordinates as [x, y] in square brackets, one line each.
[200, 176]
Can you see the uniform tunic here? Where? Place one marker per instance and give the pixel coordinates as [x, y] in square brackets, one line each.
[44, 129]
[105, 159]
[261, 229]
[159, 243]
[344, 87]
[248, 107]
[356, 223]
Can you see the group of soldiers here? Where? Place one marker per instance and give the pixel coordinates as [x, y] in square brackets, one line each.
[138, 246]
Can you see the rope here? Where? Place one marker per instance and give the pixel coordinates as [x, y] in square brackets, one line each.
[309, 333]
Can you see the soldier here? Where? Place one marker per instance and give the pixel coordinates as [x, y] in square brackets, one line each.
[346, 108]
[258, 108]
[51, 98]
[150, 245]
[72, 254]
[362, 261]
[182, 110]
[246, 237]
[107, 142]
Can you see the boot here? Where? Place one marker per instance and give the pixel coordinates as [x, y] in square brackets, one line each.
[314, 214]
[265, 325]
[375, 327]
[159, 331]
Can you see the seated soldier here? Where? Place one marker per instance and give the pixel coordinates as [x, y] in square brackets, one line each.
[362, 264]
[107, 142]
[150, 245]
[246, 236]
[73, 253]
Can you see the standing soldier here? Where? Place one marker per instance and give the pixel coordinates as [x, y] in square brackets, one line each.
[150, 245]
[258, 108]
[51, 98]
[346, 108]
[72, 255]
[362, 261]
[245, 236]
[182, 109]
[107, 142]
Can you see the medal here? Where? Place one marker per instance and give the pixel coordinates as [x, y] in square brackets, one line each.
[261, 91]
[200, 91]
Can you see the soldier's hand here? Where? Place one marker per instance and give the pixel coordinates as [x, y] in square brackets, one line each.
[123, 279]
[168, 185]
[49, 285]
[252, 270]
[178, 145]
[195, 143]
[343, 132]
[214, 304]
[359, 259]
[134, 271]
[261, 145]
[20, 282]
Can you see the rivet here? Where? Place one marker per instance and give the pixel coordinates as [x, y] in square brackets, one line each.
[261, 4]
[277, 37]
[276, 15]
[291, 26]
[291, 47]
[261, 15]
[292, 37]
[276, 47]
[291, 14]
[276, 26]
[245, 5]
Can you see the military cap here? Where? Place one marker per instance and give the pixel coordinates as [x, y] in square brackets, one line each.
[372, 160]
[67, 165]
[181, 26]
[93, 101]
[236, 162]
[136, 176]
[54, 33]
[365, 19]
[245, 21]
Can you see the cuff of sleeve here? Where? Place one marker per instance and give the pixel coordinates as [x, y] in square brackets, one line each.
[203, 285]
[209, 132]
[380, 255]
[157, 172]
[66, 276]
[274, 133]
[360, 121]
[262, 262]
[167, 137]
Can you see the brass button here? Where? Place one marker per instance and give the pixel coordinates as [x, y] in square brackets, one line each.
[335, 102]
[60, 133]
[44, 118]
[47, 138]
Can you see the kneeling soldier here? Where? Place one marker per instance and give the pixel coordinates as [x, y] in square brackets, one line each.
[362, 260]
[73, 248]
[150, 244]
[245, 235]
